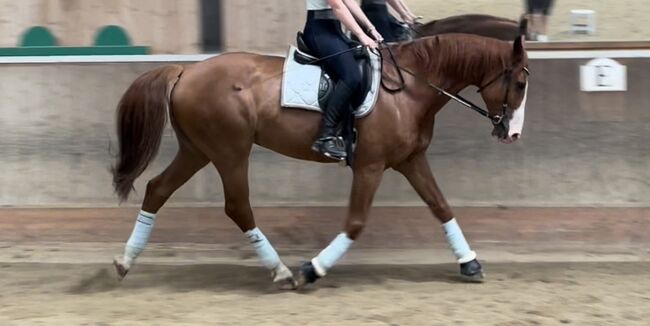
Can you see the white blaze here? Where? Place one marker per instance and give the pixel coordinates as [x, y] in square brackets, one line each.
[517, 121]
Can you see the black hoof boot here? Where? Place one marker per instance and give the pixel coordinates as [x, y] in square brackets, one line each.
[472, 271]
[307, 275]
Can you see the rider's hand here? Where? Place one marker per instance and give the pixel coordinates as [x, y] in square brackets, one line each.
[375, 35]
[368, 42]
[411, 20]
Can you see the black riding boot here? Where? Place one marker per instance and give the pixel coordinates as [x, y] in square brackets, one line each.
[327, 142]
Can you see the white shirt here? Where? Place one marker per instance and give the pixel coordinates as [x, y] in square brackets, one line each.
[317, 5]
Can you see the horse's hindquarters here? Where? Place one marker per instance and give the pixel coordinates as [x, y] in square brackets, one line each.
[229, 102]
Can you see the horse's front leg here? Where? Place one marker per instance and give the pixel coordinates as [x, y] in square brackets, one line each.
[364, 185]
[416, 169]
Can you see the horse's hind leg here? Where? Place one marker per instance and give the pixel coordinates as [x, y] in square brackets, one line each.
[186, 163]
[416, 169]
[233, 169]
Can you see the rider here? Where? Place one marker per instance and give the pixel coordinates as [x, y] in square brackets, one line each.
[387, 25]
[323, 35]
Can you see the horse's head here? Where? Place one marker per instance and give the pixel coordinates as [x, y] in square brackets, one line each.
[504, 92]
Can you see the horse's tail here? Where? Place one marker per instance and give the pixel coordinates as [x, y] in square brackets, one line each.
[141, 119]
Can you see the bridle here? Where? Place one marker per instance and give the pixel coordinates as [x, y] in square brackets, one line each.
[506, 74]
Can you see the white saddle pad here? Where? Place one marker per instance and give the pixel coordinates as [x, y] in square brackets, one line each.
[300, 85]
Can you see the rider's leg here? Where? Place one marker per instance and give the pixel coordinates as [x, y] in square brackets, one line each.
[326, 39]
[337, 107]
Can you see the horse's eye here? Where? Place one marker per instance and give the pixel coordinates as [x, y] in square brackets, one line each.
[521, 86]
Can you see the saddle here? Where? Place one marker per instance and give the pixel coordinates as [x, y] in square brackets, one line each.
[306, 56]
[306, 85]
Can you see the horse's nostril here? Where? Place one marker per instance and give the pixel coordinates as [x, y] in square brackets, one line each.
[515, 136]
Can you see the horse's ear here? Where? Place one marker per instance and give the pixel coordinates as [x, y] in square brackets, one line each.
[523, 25]
[518, 49]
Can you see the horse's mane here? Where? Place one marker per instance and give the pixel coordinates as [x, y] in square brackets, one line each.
[461, 55]
[485, 25]
[473, 17]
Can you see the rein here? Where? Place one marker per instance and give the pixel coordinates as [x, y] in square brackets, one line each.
[496, 119]
[310, 62]
[413, 29]
[402, 82]
[336, 54]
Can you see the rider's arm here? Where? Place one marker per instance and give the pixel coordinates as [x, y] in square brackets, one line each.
[345, 16]
[403, 10]
[355, 9]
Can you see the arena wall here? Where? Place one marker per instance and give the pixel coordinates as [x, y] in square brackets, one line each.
[578, 149]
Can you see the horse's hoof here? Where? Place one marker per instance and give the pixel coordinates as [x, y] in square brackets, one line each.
[472, 271]
[120, 269]
[283, 278]
[287, 284]
[307, 275]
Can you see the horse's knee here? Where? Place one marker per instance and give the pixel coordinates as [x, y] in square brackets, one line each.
[354, 228]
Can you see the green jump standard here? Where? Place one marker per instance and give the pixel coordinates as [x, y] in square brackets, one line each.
[65, 50]
[109, 40]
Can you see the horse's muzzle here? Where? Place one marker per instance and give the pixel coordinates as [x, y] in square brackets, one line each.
[501, 131]
[509, 139]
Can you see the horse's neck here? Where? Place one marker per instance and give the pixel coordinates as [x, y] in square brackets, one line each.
[461, 61]
[450, 62]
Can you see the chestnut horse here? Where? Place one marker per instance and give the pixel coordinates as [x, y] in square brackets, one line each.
[477, 24]
[222, 106]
